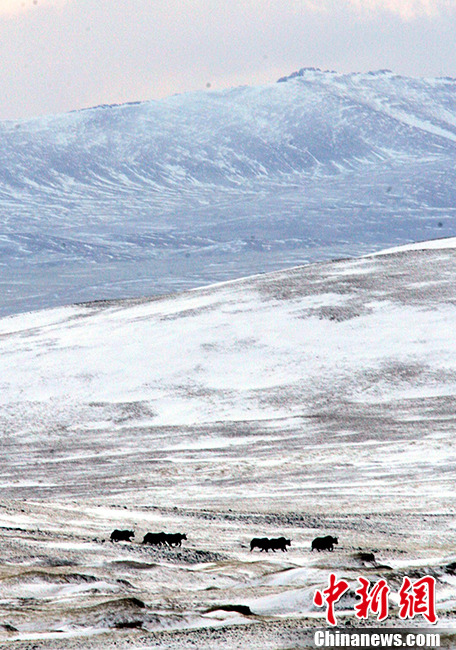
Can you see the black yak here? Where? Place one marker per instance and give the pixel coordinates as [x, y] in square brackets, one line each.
[260, 542]
[280, 543]
[264, 544]
[121, 535]
[156, 539]
[324, 543]
[174, 539]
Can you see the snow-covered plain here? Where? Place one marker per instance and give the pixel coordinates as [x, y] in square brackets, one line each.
[140, 199]
[317, 400]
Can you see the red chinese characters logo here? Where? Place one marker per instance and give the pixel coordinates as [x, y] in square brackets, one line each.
[375, 600]
[331, 595]
[418, 598]
[414, 598]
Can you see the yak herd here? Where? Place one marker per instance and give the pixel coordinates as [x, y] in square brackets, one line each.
[156, 539]
[263, 543]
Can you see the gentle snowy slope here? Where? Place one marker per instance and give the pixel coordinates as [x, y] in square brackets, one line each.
[132, 200]
[318, 400]
[361, 349]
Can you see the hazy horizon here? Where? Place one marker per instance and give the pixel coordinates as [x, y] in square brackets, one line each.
[61, 55]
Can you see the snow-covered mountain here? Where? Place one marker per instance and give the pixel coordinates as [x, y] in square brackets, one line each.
[147, 198]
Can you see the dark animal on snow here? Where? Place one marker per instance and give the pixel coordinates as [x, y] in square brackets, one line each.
[174, 539]
[156, 539]
[259, 542]
[324, 543]
[265, 544]
[279, 543]
[122, 535]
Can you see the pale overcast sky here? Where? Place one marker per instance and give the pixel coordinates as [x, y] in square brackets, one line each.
[59, 55]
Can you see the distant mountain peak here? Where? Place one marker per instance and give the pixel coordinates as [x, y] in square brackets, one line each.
[309, 70]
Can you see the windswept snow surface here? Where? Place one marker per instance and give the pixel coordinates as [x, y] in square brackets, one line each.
[243, 367]
[318, 400]
[154, 197]
[448, 242]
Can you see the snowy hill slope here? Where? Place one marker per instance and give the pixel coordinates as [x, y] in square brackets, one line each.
[146, 198]
[357, 355]
[318, 400]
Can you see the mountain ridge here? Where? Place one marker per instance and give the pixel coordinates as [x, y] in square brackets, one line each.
[159, 196]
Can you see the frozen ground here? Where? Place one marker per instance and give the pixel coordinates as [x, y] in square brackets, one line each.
[319, 400]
